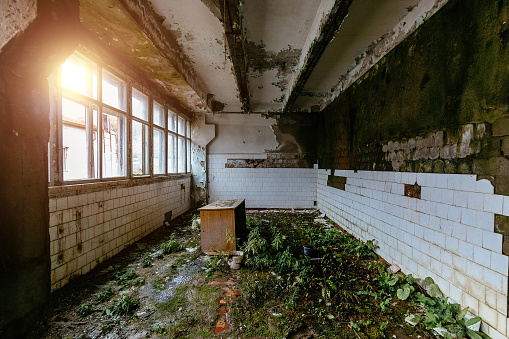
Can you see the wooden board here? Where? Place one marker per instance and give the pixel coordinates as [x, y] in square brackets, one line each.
[221, 223]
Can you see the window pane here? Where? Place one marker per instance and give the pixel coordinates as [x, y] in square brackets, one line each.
[159, 151]
[172, 121]
[113, 147]
[182, 126]
[140, 105]
[172, 153]
[158, 114]
[114, 91]
[140, 149]
[181, 155]
[74, 135]
[188, 156]
[80, 75]
[188, 130]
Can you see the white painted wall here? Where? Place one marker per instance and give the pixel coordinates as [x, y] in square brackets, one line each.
[107, 220]
[448, 234]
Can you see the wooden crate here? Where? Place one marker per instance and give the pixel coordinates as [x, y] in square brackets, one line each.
[221, 223]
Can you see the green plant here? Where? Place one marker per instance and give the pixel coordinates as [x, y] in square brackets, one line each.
[450, 316]
[146, 261]
[125, 277]
[171, 245]
[104, 294]
[105, 327]
[158, 328]
[124, 306]
[85, 309]
[213, 264]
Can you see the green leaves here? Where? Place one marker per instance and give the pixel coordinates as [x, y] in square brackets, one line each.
[472, 321]
[404, 292]
[434, 291]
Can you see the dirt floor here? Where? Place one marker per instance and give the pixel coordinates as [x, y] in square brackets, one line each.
[163, 286]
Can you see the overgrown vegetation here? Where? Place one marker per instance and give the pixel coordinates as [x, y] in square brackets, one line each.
[171, 245]
[341, 290]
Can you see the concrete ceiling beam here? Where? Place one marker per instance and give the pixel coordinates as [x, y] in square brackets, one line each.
[330, 24]
[232, 22]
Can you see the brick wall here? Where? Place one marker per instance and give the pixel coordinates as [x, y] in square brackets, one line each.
[448, 234]
[92, 222]
[261, 187]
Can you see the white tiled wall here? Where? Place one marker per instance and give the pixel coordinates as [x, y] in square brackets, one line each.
[87, 228]
[262, 187]
[448, 234]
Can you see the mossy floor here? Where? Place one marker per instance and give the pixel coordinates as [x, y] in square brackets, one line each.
[164, 287]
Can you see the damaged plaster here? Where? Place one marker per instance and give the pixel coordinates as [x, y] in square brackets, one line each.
[15, 16]
[416, 15]
[215, 68]
[155, 56]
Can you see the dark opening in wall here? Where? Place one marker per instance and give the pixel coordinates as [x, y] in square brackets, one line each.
[336, 182]
[413, 191]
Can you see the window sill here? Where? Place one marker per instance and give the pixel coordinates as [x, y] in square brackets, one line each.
[69, 189]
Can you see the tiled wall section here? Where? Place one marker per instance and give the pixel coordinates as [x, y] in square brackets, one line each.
[85, 229]
[261, 187]
[448, 234]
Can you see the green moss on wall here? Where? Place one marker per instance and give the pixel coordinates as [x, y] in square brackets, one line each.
[452, 71]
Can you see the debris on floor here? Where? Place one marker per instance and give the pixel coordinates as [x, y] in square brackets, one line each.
[163, 286]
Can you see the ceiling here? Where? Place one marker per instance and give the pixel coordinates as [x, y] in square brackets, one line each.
[253, 56]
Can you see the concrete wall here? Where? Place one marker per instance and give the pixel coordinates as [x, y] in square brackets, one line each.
[90, 223]
[31, 50]
[447, 234]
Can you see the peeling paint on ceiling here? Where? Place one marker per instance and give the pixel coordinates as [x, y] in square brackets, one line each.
[240, 56]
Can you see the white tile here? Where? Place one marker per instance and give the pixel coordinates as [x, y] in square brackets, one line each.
[454, 181]
[506, 206]
[484, 186]
[454, 213]
[460, 198]
[442, 210]
[469, 217]
[482, 256]
[491, 298]
[493, 203]
[500, 263]
[466, 250]
[441, 180]
[494, 280]
[452, 244]
[476, 200]
[459, 231]
[468, 183]
[488, 314]
[492, 241]
[486, 221]
[471, 302]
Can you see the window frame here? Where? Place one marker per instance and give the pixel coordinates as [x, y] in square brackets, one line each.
[99, 108]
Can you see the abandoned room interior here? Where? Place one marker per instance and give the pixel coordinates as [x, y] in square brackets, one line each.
[389, 117]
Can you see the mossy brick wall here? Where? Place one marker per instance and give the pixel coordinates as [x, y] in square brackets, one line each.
[436, 103]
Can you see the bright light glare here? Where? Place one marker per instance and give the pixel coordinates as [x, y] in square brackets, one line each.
[74, 75]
